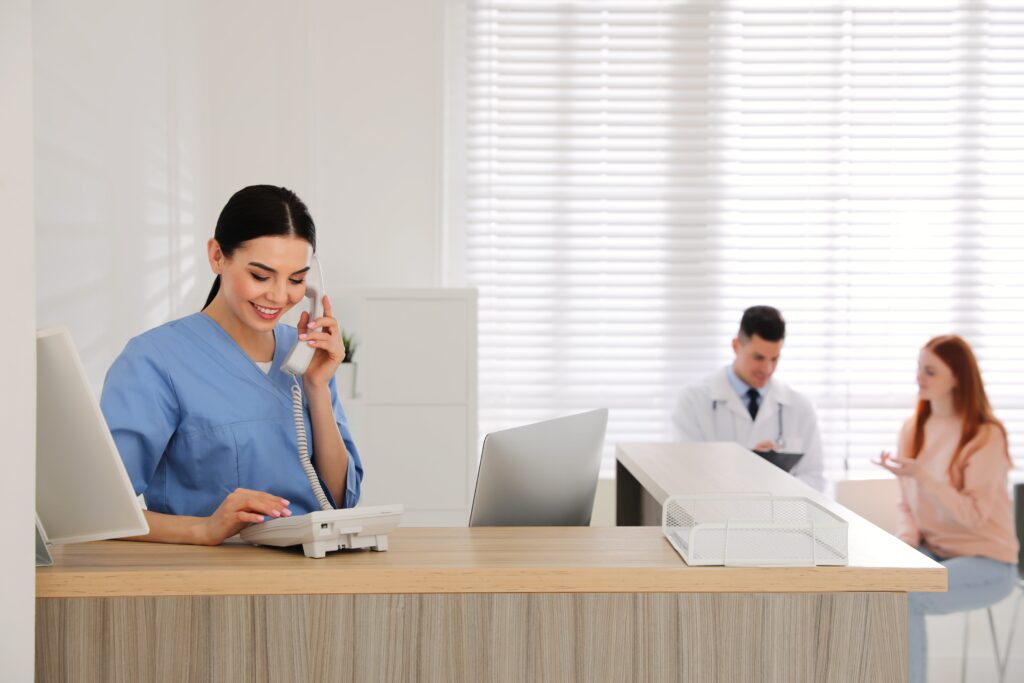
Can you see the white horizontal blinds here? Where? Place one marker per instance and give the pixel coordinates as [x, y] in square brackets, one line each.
[586, 233]
[997, 317]
[639, 173]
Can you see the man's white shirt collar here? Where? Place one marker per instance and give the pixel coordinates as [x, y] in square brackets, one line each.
[722, 388]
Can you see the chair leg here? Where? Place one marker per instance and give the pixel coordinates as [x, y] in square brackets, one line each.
[963, 659]
[995, 639]
[1009, 637]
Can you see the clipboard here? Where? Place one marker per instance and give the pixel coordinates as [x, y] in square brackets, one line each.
[784, 461]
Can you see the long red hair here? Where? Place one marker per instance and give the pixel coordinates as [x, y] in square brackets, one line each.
[969, 402]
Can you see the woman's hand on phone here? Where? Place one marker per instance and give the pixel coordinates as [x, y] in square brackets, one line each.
[324, 335]
[239, 509]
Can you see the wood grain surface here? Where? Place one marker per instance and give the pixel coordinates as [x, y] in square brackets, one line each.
[456, 560]
[727, 637]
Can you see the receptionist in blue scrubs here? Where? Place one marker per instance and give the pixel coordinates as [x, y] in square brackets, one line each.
[200, 409]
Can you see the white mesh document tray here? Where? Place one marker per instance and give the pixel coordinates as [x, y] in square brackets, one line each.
[754, 530]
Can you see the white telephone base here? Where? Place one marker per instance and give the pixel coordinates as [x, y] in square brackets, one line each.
[325, 531]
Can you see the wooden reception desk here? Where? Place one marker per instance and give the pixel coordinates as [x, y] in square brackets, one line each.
[496, 604]
[648, 473]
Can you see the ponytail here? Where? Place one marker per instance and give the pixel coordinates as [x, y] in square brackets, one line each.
[213, 292]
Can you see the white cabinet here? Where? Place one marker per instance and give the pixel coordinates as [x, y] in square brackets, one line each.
[414, 416]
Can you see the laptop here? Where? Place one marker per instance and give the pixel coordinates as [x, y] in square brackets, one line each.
[543, 474]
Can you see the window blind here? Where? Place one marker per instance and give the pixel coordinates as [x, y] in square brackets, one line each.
[638, 173]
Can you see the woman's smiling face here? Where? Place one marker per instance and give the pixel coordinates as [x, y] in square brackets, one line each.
[263, 278]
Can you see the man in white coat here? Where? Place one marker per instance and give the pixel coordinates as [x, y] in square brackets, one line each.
[744, 404]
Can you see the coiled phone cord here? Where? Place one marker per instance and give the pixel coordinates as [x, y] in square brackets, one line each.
[300, 434]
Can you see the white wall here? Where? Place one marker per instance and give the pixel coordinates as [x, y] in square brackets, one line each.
[150, 114]
[17, 344]
[122, 187]
[376, 71]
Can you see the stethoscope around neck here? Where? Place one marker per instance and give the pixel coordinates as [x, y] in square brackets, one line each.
[780, 440]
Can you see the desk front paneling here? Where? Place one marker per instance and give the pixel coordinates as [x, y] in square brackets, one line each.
[724, 637]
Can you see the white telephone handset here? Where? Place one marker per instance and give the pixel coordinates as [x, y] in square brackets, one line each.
[298, 359]
[326, 529]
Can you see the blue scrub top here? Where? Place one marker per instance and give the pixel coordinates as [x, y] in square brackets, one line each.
[194, 418]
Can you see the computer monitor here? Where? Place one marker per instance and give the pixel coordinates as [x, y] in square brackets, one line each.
[544, 474]
[83, 492]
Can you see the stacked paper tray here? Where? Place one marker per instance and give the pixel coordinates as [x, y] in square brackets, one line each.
[754, 530]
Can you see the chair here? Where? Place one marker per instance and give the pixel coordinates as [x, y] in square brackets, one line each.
[1018, 505]
[875, 500]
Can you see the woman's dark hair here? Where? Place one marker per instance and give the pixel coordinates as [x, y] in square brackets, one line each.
[260, 211]
[764, 321]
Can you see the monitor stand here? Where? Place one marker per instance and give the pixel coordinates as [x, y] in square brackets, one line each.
[43, 557]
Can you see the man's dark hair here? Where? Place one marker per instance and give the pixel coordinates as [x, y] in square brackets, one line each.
[764, 321]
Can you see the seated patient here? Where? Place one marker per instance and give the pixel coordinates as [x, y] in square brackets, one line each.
[200, 409]
[952, 465]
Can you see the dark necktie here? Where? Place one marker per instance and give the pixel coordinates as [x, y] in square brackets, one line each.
[752, 406]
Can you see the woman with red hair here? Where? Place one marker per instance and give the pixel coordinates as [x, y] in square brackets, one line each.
[952, 466]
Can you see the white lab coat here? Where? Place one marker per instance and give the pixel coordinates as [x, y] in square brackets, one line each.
[712, 411]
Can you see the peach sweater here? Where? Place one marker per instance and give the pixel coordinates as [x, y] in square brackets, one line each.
[975, 520]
